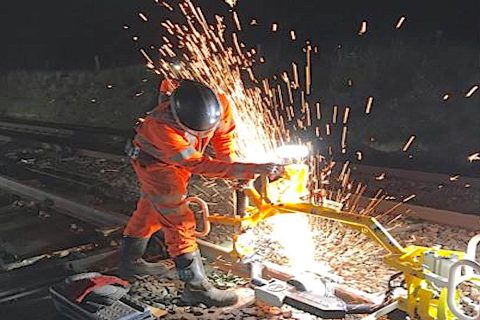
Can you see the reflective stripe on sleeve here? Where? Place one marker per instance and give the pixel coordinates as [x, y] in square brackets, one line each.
[185, 154]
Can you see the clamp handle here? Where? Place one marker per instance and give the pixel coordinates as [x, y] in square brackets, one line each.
[205, 215]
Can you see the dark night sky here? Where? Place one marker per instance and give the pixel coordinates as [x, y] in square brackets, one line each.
[67, 34]
[408, 70]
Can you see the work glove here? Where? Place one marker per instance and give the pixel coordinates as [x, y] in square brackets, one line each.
[272, 170]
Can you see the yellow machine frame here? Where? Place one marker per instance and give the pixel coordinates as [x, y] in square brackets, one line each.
[424, 299]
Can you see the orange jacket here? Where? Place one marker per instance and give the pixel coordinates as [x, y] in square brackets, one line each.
[162, 138]
[167, 86]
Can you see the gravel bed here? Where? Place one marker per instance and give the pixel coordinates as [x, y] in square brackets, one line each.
[454, 193]
[164, 293]
[351, 256]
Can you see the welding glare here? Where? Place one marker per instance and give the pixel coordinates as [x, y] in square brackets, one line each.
[292, 152]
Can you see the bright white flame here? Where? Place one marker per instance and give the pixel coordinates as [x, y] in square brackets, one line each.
[294, 234]
[245, 244]
[296, 152]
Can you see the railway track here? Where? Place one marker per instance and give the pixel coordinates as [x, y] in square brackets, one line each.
[93, 139]
[54, 193]
[49, 230]
[23, 292]
[77, 238]
[39, 246]
[439, 191]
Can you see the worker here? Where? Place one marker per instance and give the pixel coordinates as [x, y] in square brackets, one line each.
[168, 148]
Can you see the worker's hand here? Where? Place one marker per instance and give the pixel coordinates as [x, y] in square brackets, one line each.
[272, 170]
[240, 184]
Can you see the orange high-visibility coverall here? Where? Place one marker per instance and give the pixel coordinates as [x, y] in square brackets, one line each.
[164, 183]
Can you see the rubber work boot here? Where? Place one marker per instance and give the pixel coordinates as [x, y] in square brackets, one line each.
[197, 287]
[131, 262]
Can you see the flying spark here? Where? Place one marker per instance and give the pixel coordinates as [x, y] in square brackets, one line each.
[293, 35]
[143, 16]
[344, 137]
[308, 70]
[474, 157]
[237, 21]
[471, 91]
[454, 178]
[359, 155]
[369, 104]
[346, 114]
[295, 75]
[380, 177]
[210, 60]
[335, 114]
[231, 3]
[400, 22]
[409, 142]
[146, 56]
[363, 28]
[319, 110]
[265, 111]
[166, 5]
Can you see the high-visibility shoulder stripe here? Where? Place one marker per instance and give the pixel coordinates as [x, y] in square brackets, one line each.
[148, 147]
[185, 154]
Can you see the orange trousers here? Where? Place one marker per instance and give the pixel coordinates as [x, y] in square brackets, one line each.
[161, 206]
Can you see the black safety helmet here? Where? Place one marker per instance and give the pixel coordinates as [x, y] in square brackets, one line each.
[195, 106]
